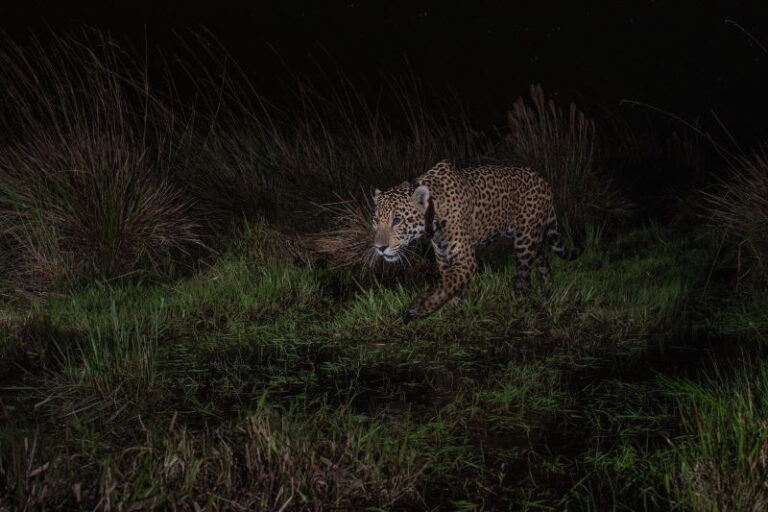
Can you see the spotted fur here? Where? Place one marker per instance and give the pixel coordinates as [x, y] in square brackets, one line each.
[464, 210]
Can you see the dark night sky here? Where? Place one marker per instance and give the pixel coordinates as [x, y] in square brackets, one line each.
[679, 56]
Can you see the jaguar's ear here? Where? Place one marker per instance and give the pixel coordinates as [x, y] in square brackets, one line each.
[375, 193]
[420, 198]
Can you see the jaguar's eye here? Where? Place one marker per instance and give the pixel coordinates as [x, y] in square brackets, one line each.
[396, 221]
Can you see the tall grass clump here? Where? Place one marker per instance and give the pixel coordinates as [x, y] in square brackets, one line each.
[324, 139]
[563, 145]
[737, 209]
[86, 151]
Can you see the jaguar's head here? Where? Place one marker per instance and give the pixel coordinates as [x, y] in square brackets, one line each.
[402, 215]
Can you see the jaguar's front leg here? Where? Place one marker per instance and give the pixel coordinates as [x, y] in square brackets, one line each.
[456, 269]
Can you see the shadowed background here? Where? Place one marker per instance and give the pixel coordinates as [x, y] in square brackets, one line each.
[679, 56]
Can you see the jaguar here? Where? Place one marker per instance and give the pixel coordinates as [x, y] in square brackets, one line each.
[461, 211]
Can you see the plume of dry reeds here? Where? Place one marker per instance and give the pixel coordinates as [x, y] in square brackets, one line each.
[85, 153]
[349, 242]
[562, 145]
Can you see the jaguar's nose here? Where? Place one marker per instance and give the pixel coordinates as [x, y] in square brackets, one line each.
[380, 248]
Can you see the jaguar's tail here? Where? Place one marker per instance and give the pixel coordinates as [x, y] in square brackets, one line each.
[556, 240]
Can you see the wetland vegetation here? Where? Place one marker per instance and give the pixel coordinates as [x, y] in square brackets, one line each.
[186, 323]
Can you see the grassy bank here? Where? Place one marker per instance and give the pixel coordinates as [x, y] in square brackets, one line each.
[266, 385]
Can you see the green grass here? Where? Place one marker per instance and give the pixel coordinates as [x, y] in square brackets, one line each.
[263, 384]
[721, 463]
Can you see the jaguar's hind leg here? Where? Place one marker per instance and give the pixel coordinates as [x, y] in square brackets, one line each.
[542, 265]
[525, 256]
[457, 299]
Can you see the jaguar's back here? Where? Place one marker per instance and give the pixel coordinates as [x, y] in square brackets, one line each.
[507, 200]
